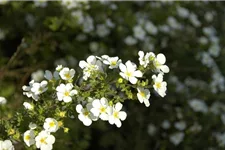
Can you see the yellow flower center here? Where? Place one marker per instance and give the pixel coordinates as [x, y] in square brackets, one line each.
[86, 113]
[129, 74]
[113, 63]
[42, 140]
[67, 75]
[67, 93]
[51, 124]
[102, 109]
[116, 114]
[142, 94]
[158, 85]
[27, 137]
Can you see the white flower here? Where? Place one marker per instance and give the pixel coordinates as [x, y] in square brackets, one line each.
[182, 12]
[70, 4]
[151, 129]
[116, 115]
[165, 124]
[6, 145]
[40, 3]
[139, 33]
[130, 40]
[113, 62]
[85, 115]
[67, 74]
[93, 46]
[102, 30]
[176, 138]
[145, 59]
[3, 100]
[51, 125]
[143, 96]
[172, 22]
[37, 76]
[90, 66]
[129, 72]
[28, 106]
[28, 137]
[159, 85]
[28, 92]
[59, 68]
[64, 92]
[198, 105]
[44, 141]
[100, 108]
[3, 2]
[49, 76]
[159, 62]
[88, 24]
[151, 28]
[32, 126]
[39, 88]
[181, 125]
[194, 20]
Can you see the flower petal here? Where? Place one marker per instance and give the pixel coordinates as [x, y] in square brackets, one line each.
[161, 58]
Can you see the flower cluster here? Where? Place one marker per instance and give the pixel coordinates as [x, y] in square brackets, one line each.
[96, 93]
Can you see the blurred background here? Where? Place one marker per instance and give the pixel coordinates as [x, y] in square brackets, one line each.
[39, 35]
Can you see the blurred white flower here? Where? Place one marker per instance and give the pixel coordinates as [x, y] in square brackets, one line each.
[102, 30]
[198, 105]
[139, 33]
[116, 115]
[176, 138]
[182, 12]
[2, 33]
[195, 128]
[151, 28]
[159, 62]
[44, 141]
[165, 124]
[214, 50]
[40, 3]
[49, 76]
[6, 145]
[28, 137]
[3, 2]
[151, 129]
[209, 16]
[129, 72]
[207, 60]
[194, 20]
[203, 40]
[3, 100]
[129, 40]
[181, 125]
[143, 96]
[37, 76]
[88, 24]
[32, 126]
[28, 106]
[172, 22]
[94, 46]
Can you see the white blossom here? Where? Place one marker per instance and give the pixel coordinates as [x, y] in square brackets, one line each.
[51, 125]
[100, 108]
[129, 72]
[39, 88]
[44, 140]
[151, 129]
[3, 100]
[32, 126]
[130, 40]
[182, 12]
[151, 28]
[28, 137]
[37, 76]
[159, 85]
[113, 62]
[139, 33]
[85, 115]
[198, 105]
[116, 115]
[67, 74]
[181, 125]
[165, 124]
[6, 145]
[144, 59]
[28, 92]
[49, 76]
[65, 92]
[159, 62]
[176, 138]
[102, 30]
[90, 66]
[28, 106]
[143, 96]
